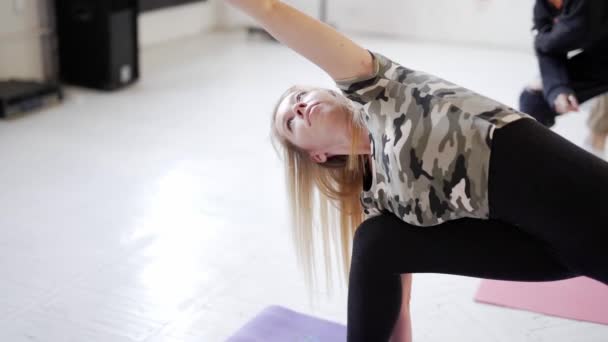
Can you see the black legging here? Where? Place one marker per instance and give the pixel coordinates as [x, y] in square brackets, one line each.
[547, 223]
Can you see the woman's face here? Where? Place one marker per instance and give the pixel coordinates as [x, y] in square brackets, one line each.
[313, 119]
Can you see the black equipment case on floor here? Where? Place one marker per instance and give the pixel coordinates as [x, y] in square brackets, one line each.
[97, 42]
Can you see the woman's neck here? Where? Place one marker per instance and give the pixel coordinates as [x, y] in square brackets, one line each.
[344, 143]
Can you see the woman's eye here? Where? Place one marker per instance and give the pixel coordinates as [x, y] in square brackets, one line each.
[299, 96]
[289, 123]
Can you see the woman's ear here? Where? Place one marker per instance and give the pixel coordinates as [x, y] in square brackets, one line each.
[318, 157]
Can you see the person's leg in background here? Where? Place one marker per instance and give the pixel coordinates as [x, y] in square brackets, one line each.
[598, 123]
[532, 102]
[548, 187]
[385, 247]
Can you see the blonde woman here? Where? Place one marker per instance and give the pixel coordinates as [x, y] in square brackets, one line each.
[447, 180]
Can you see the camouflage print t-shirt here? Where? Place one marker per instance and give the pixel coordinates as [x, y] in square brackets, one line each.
[431, 143]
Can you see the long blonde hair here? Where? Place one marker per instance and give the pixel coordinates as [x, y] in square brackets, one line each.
[328, 192]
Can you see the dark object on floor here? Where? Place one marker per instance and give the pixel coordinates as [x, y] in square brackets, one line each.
[153, 5]
[98, 43]
[19, 97]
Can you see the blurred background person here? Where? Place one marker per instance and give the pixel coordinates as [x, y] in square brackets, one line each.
[571, 44]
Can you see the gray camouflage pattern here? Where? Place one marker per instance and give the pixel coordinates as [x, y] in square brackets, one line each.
[431, 143]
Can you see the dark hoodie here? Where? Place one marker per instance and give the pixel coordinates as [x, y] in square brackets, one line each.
[580, 24]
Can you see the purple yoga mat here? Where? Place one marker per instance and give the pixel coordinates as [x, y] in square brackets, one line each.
[278, 324]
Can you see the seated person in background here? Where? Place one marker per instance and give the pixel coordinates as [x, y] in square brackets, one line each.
[571, 43]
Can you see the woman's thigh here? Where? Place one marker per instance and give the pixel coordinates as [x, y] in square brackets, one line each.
[470, 247]
[552, 190]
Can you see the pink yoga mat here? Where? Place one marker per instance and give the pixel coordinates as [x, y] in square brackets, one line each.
[579, 298]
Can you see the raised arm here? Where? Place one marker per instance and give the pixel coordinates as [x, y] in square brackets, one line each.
[555, 77]
[321, 44]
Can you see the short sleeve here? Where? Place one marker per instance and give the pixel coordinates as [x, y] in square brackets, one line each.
[357, 88]
[387, 74]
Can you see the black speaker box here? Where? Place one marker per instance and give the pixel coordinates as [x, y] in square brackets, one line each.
[97, 42]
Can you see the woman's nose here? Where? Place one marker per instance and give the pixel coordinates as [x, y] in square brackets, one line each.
[299, 109]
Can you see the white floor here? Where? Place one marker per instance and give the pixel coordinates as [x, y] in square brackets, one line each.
[157, 213]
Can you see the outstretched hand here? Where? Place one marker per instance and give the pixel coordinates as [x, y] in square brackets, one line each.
[565, 103]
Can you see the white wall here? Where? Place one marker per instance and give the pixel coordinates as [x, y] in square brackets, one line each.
[20, 45]
[175, 22]
[500, 23]
[496, 23]
[230, 18]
